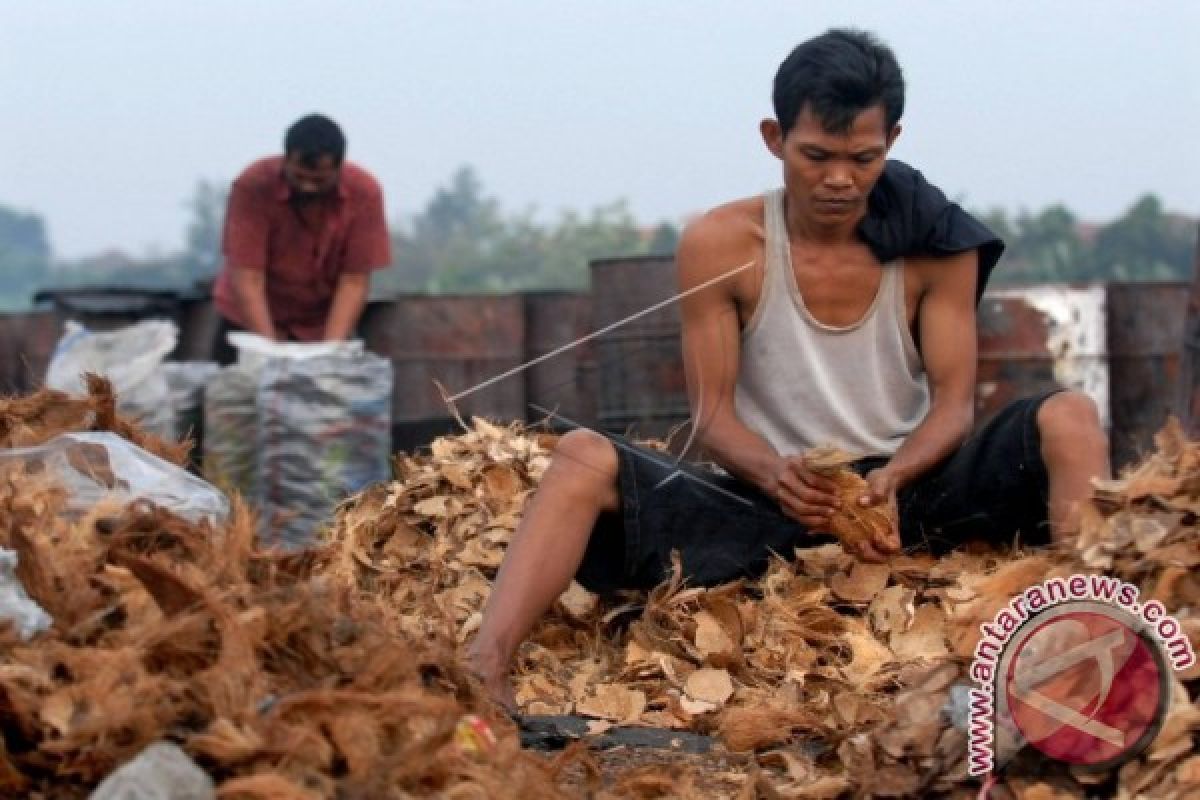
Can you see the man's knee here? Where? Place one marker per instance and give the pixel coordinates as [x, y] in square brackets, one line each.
[587, 456]
[1071, 416]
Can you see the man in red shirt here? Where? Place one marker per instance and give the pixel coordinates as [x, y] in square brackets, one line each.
[303, 232]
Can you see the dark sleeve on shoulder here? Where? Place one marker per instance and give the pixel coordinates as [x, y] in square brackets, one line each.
[907, 214]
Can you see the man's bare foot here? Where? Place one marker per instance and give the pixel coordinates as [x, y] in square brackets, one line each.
[494, 679]
[501, 693]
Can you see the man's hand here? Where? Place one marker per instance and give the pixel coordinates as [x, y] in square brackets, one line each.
[349, 300]
[881, 489]
[250, 288]
[805, 496]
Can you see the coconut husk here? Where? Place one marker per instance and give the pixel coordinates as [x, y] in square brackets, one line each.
[37, 418]
[757, 727]
[852, 523]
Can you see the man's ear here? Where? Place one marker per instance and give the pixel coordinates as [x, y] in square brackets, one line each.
[891, 139]
[772, 134]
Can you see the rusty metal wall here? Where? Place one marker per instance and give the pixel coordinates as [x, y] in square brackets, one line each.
[1145, 331]
[639, 366]
[1121, 344]
[27, 341]
[10, 354]
[1013, 358]
[1187, 397]
[553, 320]
[1038, 338]
[458, 341]
[104, 308]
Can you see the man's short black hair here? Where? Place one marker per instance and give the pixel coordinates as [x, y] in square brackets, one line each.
[838, 74]
[314, 136]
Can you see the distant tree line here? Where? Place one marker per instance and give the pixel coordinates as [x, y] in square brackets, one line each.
[27, 263]
[24, 256]
[1052, 246]
[464, 241]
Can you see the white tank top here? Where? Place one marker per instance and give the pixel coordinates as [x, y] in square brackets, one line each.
[802, 383]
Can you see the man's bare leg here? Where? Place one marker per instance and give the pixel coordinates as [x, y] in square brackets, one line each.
[545, 553]
[1075, 449]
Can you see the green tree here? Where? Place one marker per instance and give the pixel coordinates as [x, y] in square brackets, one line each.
[463, 242]
[202, 243]
[115, 268]
[178, 269]
[1145, 244]
[444, 245]
[665, 240]
[24, 258]
[1048, 246]
[997, 220]
[607, 231]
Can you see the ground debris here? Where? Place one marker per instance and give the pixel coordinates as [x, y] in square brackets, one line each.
[276, 680]
[336, 673]
[836, 673]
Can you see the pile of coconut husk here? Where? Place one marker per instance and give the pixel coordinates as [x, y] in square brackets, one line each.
[37, 418]
[835, 674]
[814, 652]
[336, 673]
[1143, 528]
[277, 682]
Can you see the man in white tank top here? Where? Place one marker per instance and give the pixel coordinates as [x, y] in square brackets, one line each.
[815, 341]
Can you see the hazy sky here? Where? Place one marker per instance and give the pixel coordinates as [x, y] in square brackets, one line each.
[112, 109]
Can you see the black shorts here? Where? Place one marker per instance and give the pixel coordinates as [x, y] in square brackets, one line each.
[994, 488]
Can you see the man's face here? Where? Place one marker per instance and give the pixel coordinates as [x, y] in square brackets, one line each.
[829, 175]
[310, 180]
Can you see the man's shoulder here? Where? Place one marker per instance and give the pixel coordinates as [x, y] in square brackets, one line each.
[734, 225]
[358, 181]
[261, 174]
[721, 239]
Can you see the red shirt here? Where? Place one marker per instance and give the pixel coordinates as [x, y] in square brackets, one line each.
[264, 231]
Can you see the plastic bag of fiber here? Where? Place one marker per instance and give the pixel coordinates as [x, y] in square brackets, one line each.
[98, 467]
[323, 433]
[130, 357]
[231, 455]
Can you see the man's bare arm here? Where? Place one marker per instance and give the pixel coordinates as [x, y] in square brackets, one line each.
[349, 299]
[250, 286]
[711, 341]
[946, 321]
